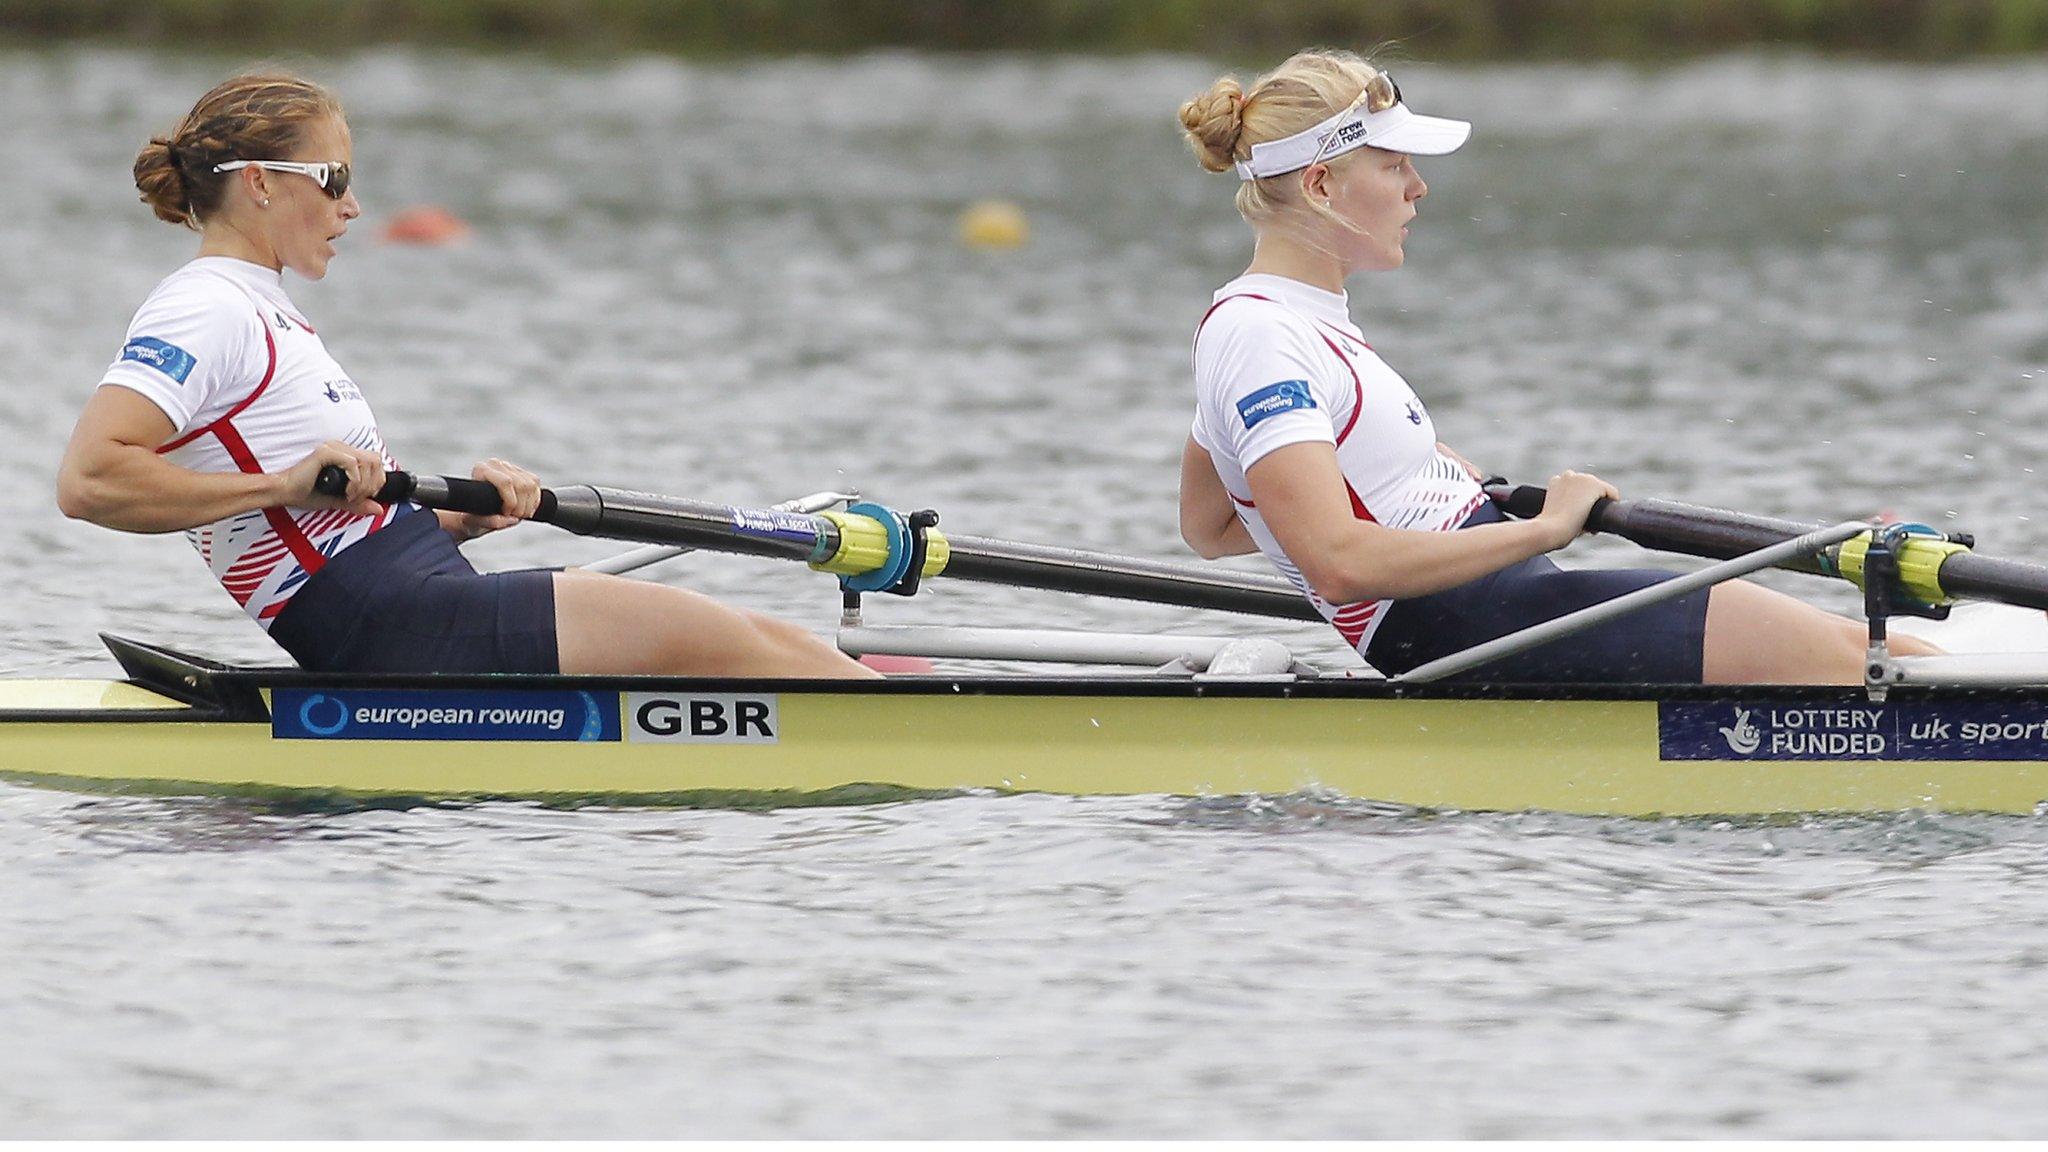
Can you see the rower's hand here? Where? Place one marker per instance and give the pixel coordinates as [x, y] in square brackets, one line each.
[1570, 499]
[518, 492]
[365, 472]
[1470, 468]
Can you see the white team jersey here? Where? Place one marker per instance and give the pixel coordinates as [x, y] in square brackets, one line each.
[1279, 362]
[250, 388]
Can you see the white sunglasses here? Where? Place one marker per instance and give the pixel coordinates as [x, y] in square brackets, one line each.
[332, 176]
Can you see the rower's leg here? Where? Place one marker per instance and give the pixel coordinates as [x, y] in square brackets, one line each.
[610, 625]
[1758, 636]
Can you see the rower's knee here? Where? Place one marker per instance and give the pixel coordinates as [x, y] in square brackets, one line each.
[785, 638]
[1756, 635]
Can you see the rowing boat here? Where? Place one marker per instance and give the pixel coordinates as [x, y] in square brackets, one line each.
[181, 724]
[1205, 717]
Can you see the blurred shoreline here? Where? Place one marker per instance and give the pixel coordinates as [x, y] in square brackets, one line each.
[1447, 30]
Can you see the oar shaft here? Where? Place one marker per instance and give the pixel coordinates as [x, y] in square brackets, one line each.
[671, 520]
[1671, 526]
[1977, 577]
[1129, 577]
[1718, 534]
[650, 518]
[648, 554]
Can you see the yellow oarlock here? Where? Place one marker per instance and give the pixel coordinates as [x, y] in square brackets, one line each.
[864, 547]
[1920, 557]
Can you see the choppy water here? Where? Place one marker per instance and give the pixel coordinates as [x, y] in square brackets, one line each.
[1796, 287]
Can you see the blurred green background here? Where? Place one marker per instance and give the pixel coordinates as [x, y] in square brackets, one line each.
[1430, 29]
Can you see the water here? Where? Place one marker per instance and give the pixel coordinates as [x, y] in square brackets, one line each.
[1796, 287]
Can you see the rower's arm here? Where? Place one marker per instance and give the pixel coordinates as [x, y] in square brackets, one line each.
[1300, 492]
[1208, 522]
[112, 476]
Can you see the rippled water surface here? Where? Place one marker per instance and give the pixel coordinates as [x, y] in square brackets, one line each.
[1796, 287]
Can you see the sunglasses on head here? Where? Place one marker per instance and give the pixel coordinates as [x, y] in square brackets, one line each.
[332, 176]
[1364, 94]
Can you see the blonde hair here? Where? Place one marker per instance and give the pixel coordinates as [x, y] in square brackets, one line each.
[1313, 85]
[249, 117]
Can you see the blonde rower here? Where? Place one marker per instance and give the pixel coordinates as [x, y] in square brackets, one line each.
[1308, 447]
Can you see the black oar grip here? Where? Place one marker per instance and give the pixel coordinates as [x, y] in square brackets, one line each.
[453, 493]
[1522, 501]
[398, 486]
[1525, 502]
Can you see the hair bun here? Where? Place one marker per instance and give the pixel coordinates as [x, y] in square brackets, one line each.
[162, 182]
[254, 114]
[1214, 123]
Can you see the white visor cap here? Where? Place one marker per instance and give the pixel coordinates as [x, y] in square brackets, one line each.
[1393, 128]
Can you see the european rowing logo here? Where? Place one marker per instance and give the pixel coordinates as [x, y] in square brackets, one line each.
[421, 714]
[161, 355]
[1273, 399]
[323, 715]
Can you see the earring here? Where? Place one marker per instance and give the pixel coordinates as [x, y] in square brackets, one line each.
[264, 203]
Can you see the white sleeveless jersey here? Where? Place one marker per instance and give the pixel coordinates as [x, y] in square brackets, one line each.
[250, 388]
[1279, 362]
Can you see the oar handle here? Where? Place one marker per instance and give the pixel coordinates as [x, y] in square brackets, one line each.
[450, 492]
[1525, 502]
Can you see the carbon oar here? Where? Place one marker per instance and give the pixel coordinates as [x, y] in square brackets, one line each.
[853, 544]
[1933, 568]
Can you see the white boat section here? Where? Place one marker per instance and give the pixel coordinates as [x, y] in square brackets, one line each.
[1207, 656]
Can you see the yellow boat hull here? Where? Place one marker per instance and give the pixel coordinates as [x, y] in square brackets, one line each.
[1461, 750]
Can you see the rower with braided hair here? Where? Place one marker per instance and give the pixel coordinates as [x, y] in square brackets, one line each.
[1308, 447]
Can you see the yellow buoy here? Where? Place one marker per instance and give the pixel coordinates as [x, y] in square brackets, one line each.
[994, 224]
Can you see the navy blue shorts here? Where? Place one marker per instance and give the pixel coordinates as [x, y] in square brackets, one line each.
[404, 600]
[1661, 644]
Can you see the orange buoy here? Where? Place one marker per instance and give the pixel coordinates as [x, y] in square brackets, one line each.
[425, 225]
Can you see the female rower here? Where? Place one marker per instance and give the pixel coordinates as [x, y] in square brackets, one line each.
[224, 405]
[1309, 448]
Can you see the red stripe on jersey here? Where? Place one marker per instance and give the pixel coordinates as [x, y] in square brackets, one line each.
[280, 521]
[1357, 393]
[1357, 385]
[271, 346]
[1337, 330]
[1353, 630]
[1226, 300]
[1464, 513]
[1358, 508]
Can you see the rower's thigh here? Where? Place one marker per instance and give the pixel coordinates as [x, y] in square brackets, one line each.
[1758, 636]
[610, 625]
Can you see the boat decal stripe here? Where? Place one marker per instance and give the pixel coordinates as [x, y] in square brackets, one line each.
[445, 714]
[1793, 729]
